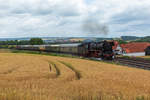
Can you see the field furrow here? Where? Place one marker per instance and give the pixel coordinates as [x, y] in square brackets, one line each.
[77, 73]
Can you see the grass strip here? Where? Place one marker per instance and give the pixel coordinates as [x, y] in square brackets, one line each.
[45, 53]
[62, 55]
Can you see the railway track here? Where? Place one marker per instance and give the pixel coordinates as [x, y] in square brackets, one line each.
[134, 62]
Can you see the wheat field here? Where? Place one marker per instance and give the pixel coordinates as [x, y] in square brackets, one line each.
[39, 77]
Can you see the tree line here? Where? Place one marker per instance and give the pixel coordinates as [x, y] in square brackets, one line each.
[32, 41]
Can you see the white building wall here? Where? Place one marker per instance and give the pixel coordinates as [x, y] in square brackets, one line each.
[135, 54]
[118, 50]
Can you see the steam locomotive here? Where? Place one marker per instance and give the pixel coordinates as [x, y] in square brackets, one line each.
[102, 49]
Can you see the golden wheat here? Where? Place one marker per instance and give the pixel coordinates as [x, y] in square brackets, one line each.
[35, 77]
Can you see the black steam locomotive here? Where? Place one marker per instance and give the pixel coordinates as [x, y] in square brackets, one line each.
[102, 49]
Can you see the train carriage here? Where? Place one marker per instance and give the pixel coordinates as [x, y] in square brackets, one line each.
[12, 46]
[35, 47]
[52, 48]
[83, 50]
[42, 47]
[30, 47]
[24, 47]
[69, 48]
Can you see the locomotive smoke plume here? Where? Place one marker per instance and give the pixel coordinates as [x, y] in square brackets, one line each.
[93, 27]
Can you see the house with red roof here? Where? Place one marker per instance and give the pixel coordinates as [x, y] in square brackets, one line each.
[134, 48]
[131, 49]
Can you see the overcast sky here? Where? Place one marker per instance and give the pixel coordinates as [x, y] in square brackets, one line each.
[51, 18]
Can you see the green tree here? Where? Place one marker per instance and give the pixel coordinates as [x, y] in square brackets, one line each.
[122, 42]
[36, 41]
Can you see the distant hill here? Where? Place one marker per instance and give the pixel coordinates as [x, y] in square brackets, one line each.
[9, 39]
[144, 39]
[130, 38]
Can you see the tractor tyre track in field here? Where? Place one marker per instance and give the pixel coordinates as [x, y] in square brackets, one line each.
[58, 73]
[77, 73]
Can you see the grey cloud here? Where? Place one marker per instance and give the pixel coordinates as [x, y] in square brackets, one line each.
[131, 21]
[45, 8]
[72, 18]
[131, 15]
